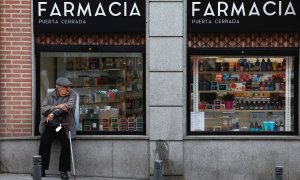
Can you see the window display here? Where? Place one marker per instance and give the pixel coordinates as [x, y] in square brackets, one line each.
[242, 94]
[109, 87]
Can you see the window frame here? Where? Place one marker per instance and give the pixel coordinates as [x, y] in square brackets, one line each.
[84, 49]
[246, 52]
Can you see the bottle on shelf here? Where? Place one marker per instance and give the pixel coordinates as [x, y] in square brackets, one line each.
[261, 105]
[257, 65]
[256, 126]
[234, 68]
[237, 104]
[238, 66]
[242, 105]
[270, 107]
[269, 65]
[272, 86]
[242, 64]
[256, 105]
[261, 86]
[279, 67]
[266, 86]
[251, 127]
[201, 67]
[252, 68]
[251, 106]
[281, 126]
[246, 105]
[263, 65]
[283, 64]
[246, 66]
[266, 105]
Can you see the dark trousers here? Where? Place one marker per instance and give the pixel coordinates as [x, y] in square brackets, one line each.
[45, 148]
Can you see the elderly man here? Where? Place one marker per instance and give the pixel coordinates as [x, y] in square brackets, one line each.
[58, 110]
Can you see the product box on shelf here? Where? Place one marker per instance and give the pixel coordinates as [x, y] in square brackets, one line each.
[123, 124]
[90, 124]
[115, 124]
[237, 87]
[214, 85]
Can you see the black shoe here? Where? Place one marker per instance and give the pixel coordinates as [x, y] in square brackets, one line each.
[43, 173]
[64, 175]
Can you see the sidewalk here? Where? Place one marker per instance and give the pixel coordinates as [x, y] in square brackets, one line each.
[50, 177]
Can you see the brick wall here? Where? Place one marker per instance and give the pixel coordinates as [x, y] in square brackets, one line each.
[15, 68]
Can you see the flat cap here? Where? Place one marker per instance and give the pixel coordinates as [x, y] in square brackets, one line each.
[62, 81]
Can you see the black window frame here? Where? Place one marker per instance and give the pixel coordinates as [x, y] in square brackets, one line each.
[87, 48]
[244, 52]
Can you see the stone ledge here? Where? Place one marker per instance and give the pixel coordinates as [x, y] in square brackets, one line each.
[84, 137]
[225, 137]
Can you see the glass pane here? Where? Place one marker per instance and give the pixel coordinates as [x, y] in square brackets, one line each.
[249, 94]
[109, 88]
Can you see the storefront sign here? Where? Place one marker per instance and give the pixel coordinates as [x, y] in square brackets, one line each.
[243, 16]
[89, 15]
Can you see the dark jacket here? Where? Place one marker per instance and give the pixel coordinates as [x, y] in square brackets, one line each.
[48, 107]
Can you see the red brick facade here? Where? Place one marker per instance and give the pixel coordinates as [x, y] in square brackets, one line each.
[15, 68]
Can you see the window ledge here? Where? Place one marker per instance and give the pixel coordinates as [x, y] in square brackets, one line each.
[225, 137]
[84, 137]
[111, 137]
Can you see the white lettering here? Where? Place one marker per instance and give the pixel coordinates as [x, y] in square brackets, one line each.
[40, 9]
[71, 9]
[66, 10]
[135, 11]
[100, 8]
[110, 9]
[279, 8]
[125, 8]
[290, 10]
[84, 11]
[194, 8]
[254, 10]
[268, 8]
[265, 8]
[55, 8]
[209, 8]
[222, 10]
[238, 11]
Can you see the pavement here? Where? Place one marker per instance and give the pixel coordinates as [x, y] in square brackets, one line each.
[8, 176]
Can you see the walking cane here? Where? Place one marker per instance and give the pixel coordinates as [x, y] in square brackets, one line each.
[70, 138]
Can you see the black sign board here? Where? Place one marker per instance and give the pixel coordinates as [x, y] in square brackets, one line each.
[243, 16]
[89, 15]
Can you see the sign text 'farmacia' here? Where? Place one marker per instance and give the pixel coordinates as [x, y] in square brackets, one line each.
[269, 8]
[78, 9]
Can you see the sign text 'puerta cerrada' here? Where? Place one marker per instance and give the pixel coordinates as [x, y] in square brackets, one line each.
[89, 16]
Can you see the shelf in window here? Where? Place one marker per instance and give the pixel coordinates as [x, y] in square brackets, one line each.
[133, 81]
[219, 91]
[96, 86]
[240, 72]
[233, 110]
[133, 94]
[93, 103]
[92, 70]
[231, 82]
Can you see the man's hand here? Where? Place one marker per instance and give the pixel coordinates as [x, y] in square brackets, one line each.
[63, 107]
[50, 117]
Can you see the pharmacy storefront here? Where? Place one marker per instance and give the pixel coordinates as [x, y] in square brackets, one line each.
[244, 61]
[100, 47]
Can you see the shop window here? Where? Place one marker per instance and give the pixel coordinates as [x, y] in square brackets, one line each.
[242, 94]
[109, 87]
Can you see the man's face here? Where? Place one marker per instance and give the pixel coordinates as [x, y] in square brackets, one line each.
[64, 90]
